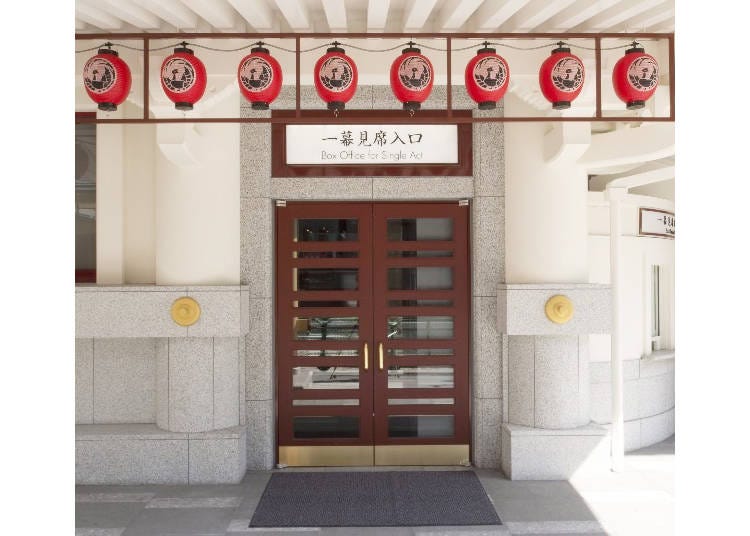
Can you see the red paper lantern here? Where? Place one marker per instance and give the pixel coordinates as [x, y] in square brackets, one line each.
[260, 77]
[635, 77]
[561, 77]
[335, 77]
[107, 79]
[486, 77]
[183, 78]
[412, 77]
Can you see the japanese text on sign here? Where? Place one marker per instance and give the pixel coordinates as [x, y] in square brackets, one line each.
[372, 144]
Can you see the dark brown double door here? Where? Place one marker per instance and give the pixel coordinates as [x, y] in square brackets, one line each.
[372, 333]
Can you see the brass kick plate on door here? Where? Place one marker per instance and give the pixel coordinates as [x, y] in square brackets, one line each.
[421, 454]
[318, 456]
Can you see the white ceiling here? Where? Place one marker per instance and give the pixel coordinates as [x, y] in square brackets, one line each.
[466, 16]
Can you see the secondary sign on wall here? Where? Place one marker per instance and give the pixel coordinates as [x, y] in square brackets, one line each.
[371, 144]
[654, 222]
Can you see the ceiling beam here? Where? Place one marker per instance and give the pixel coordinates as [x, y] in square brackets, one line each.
[96, 17]
[257, 13]
[534, 14]
[454, 13]
[491, 15]
[216, 12]
[576, 14]
[377, 14]
[617, 14]
[335, 11]
[416, 14]
[666, 26]
[172, 11]
[653, 16]
[131, 13]
[295, 14]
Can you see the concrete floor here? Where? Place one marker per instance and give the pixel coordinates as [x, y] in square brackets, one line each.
[639, 501]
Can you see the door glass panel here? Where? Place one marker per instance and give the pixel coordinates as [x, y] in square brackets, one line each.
[427, 253]
[326, 278]
[324, 230]
[420, 278]
[424, 377]
[429, 401]
[325, 254]
[420, 426]
[327, 402]
[420, 327]
[326, 328]
[409, 352]
[325, 377]
[420, 303]
[325, 427]
[325, 353]
[325, 303]
[420, 229]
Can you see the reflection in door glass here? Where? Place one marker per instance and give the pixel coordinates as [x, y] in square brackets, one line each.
[420, 426]
[325, 377]
[314, 230]
[326, 328]
[420, 278]
[324, 427]
[409, 352]
[420, 327]
[326, 278]
[426, 377]
[325, 353]
[420, 229]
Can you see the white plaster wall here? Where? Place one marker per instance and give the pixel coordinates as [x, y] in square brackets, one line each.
[198, 207]
[639, 253]
[545, 220]
[139, 204]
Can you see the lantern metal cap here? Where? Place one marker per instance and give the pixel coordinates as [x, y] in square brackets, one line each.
[635, 104]
[108, 50]
[107, 106]
[412, 106]
[561, 48]
[561, 105]
[336, 105]
[183, 49]
[259, 48]
[183, 106]
[259, 105]
[487, 105]
[635, 48]
[486, 50]
[411, 49]
[336, 48]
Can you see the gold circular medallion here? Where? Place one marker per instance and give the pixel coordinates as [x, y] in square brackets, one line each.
[185, 311]
[559, 309]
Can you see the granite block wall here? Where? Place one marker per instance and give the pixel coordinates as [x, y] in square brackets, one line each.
[485, 189]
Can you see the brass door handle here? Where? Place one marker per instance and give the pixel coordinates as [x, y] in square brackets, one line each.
[367, 356]
[380, 355]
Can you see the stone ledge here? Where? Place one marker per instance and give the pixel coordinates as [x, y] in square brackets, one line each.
[543, 454]
[144, 311]
[520, 309]
[145, 454]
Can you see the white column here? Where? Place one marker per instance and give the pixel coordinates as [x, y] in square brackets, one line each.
[110, 233]
[197, 202]
[615, 195]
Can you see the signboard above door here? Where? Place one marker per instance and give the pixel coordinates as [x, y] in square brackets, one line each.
[655, 222]
[341, 147]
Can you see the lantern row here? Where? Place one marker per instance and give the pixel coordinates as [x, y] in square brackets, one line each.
[107, 77]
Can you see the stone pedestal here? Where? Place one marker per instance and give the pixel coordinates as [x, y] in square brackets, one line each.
[548, 434]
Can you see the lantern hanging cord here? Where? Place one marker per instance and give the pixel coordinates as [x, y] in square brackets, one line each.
[355, 47]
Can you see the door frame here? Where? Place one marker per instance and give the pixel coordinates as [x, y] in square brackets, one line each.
[462, 379]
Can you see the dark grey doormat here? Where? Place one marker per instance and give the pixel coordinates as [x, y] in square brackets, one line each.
[374, 499]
